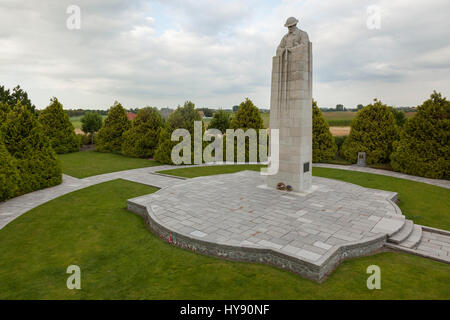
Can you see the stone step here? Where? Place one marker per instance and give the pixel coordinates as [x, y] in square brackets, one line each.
[414, 238]
[403, 233]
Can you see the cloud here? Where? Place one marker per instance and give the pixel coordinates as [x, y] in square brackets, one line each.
[216, 53]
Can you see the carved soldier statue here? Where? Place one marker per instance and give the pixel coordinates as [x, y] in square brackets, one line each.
[291, 110]
[294, 38]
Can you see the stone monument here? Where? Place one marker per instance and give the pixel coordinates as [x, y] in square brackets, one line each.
[291, 109]
[361, 159]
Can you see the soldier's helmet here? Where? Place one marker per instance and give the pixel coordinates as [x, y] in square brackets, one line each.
[291, 22]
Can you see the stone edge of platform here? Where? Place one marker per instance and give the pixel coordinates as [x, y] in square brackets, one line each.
[316, 272]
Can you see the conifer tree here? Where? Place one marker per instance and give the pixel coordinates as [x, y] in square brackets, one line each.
[141, 140]
[220, 121]
[25, 141]
[9, 175]
[4, 110]
[247, 116]
[182, 118]
[372, 131]
[110, 136]
[324, 145]
[58, 128]
[424, 145]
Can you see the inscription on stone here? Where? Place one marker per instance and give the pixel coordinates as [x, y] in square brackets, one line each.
[361, 159]
[306, 167]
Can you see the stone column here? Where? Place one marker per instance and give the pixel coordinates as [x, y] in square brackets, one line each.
[291, 113]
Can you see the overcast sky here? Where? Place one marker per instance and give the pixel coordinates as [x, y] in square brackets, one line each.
[216, 53]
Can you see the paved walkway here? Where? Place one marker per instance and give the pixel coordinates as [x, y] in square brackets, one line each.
[15, 207]
[435, 244]
[436, 182]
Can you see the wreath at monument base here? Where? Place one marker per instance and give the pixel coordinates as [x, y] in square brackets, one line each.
[281, 186]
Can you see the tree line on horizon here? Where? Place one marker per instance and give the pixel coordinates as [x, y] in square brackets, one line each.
[30, 140]
[416, 146]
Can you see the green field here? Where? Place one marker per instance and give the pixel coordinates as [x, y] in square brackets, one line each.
[339, 119]
[120, 258]
[334, 118]
[90, 163]
[264, 116]
[76, 121]
[266, 119]
[344, 118]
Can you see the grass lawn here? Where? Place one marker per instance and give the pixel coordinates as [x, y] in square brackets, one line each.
[339, 160]
[90, 163]
[121, 259]
[423, 203]
[193, 172]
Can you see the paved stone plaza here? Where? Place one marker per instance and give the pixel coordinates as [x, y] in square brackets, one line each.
[236, 216]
